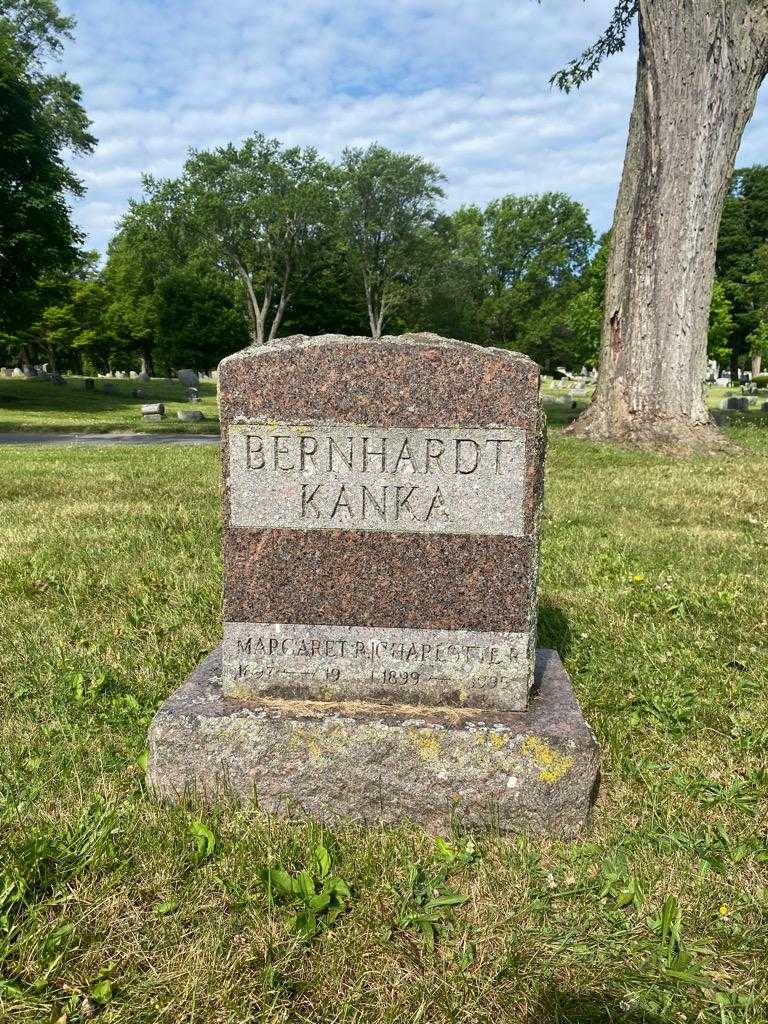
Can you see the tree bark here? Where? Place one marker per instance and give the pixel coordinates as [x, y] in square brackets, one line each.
[147, 364]
[757, 364]
[700, 65]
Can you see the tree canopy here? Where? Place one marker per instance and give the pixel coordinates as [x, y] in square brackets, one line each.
[41, 117]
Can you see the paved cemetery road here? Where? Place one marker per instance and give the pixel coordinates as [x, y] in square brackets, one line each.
[108, 439]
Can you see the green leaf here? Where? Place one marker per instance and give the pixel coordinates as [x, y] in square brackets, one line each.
[339, 888]
[322, 861]
[320, 902]
[101, 992]
[449, 899]
[444, 850]
[304, 885]
[305, 923]
[167, 907]
[205, 841]
[276, 879]
[428, 931]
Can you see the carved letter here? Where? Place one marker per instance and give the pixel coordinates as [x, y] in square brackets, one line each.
[307, 499]
[402, 503]
[244, 648]
[381, 454]
[476, 446]
[499, 442]
[305, 452]
[381, 509]
[404, 456]
[255, 452]
[281, 449]
[346, 459]
[437, 505]
[434, 455]
[342, 502]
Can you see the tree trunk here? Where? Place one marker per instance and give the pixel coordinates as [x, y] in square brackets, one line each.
[700, 65]
[757, 364]
[147, 364]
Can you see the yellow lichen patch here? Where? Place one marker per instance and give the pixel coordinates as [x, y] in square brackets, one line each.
[427, 744]
[552, 765]
[301, 741]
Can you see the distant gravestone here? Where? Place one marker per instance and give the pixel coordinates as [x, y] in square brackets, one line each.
[56, 378]
[734, 402]
[132, 374]
[153, 411]
[188, 377]
[6, 371]
[189, 415]
[143, 377]
[381, 505]
[193, 395]
[121, 375]
[89, 384]
[18, 373]
[108, 388]
[138, 393]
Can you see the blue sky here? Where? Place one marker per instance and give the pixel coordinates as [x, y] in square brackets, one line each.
[462, 82]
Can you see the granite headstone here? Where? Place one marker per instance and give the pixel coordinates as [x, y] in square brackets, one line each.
[381, 505]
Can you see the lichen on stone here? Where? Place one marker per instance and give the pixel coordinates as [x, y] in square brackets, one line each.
[551, 765]
[427, 744]
[303, 741]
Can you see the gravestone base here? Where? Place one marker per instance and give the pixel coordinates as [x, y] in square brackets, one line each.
[535, 771]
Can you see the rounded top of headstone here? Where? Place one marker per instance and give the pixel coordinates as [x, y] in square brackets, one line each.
[423, 339]
[412, 380]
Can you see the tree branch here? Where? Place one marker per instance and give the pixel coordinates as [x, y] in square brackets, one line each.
[611, 41]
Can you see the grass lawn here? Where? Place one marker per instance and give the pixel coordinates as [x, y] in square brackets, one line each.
[31, 405]
[655, 590]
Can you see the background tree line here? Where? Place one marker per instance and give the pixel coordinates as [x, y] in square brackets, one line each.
[260, 240]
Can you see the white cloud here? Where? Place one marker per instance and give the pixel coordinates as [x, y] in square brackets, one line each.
[464, 84]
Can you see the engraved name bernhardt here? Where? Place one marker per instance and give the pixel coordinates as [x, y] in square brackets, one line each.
[404, 473]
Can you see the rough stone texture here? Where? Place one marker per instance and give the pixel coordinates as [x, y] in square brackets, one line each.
[189, 415]
[479, 580]
[535, 771]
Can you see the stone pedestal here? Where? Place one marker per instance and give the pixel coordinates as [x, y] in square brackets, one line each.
[535, 770]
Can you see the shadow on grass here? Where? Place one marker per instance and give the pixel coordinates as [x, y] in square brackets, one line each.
[562, 415]
[553, 630]
[558, 1007]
